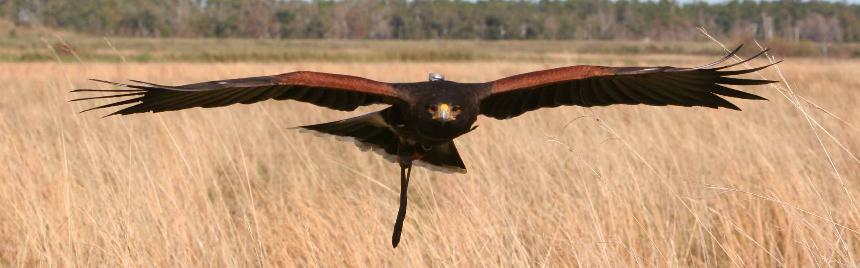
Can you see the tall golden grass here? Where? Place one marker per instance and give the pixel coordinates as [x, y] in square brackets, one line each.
[615, 186]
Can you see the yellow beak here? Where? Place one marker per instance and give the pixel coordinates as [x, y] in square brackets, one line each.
[444, 113]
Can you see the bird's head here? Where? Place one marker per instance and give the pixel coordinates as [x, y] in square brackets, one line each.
[444, 112]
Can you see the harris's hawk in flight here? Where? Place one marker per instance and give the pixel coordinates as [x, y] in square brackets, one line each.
[424, 118]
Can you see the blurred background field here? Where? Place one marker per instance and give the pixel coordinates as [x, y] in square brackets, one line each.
[276, 30]
[614, 186]
[773, 185]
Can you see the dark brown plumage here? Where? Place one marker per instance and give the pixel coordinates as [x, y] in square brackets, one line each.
[424, 117]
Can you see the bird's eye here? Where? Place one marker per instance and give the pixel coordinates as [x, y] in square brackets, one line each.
[432, 108]
[456, 108]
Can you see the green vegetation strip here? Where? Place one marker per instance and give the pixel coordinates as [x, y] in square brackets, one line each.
[91, 49]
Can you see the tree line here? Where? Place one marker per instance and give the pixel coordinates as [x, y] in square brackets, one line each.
[788, 20]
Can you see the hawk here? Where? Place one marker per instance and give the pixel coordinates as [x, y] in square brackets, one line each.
[423, 118]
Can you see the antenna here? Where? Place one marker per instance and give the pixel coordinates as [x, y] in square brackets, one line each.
[436, 77]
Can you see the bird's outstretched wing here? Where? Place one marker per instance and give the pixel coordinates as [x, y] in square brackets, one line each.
[340, 92]
[599, 86]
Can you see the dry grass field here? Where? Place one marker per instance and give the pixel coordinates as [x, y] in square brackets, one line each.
[774, 185]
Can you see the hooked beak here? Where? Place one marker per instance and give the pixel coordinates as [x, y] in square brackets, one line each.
[443, 113]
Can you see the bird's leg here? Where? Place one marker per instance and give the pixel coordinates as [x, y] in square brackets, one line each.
[405, 172]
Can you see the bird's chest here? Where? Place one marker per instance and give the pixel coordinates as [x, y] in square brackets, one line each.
[426, 131]
[433, 132]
